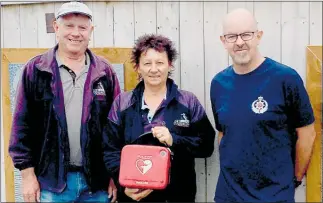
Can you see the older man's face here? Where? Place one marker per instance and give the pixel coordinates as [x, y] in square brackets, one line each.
[242, 48]
[73, 33]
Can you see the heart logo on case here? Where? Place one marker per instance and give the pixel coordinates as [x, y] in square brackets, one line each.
[144, 165]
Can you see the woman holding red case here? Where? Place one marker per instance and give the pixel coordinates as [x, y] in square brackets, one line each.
[175, 117]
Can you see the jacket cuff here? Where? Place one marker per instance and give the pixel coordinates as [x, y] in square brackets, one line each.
[22, 166]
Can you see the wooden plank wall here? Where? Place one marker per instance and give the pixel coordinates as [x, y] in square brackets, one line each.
[195, 28]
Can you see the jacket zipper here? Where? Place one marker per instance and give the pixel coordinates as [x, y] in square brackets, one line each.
[87, 131]
[59, 132]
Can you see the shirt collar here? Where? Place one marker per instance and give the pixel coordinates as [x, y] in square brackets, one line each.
[143, 103]
[87, 59]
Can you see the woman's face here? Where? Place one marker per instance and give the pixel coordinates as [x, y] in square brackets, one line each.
[154, 67]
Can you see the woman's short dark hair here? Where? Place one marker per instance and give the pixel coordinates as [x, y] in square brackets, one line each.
[152, 41]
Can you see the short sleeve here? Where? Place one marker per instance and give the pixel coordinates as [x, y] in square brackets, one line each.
[300, 112]
[213, 92]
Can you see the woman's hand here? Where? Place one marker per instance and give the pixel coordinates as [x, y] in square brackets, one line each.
[163, 135]
[137, 194]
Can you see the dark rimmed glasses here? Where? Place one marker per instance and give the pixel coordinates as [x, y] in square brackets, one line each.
[246, 36]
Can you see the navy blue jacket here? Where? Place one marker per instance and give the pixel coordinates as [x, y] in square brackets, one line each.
[194, 141]
[39, 131]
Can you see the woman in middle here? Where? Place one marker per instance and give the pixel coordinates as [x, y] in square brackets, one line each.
[175, 117]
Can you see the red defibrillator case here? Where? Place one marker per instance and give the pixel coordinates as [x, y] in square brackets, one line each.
[145, 167]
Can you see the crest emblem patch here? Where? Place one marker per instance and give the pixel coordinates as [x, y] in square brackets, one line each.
[183, 122]
[259, 106]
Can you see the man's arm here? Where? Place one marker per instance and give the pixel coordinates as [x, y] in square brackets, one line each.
[113, 142]
[304, 145]
[20, 146]
[301, 117]
[214, 110]
[115, 90]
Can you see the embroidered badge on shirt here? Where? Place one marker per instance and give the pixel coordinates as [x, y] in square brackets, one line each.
[259, 106]
[99, 90]
[184, 122]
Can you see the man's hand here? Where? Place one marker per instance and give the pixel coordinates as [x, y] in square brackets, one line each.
[137, 194]
[112, 190]
[30, 186]
[163, 135]
[304, 146]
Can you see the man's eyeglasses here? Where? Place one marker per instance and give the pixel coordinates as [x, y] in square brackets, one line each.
[246, 36]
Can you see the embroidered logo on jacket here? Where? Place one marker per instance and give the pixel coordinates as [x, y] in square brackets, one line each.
[259, 106]
[99, 90]
[184, 122]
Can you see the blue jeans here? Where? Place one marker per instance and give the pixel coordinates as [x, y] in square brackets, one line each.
[76, 190]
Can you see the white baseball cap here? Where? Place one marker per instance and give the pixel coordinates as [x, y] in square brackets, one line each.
[74, 7]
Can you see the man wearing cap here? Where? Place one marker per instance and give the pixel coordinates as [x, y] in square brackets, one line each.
[62, 103]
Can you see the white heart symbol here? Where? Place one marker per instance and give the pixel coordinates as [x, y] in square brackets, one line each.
[144, 165]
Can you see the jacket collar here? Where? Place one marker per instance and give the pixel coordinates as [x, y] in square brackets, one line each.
[172, 90]
[49, 64]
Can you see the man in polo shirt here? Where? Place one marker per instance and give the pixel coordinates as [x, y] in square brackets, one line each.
[260, 108]
[62, 104]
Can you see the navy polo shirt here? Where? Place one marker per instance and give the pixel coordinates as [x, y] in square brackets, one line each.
[258, 113]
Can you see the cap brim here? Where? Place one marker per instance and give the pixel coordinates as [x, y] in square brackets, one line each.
[76, 12]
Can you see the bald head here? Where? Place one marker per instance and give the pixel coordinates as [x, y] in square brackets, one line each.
[238, 21]
[241, 37]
